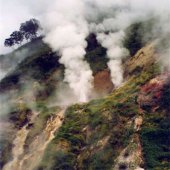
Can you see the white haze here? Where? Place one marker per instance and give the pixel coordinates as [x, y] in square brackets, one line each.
[126, 13]
[67, 23]
[66, 34]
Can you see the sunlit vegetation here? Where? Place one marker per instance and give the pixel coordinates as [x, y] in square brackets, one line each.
[93, 134]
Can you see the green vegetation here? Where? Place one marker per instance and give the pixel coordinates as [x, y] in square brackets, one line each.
[97, 59]
[93, 134]
[134, 39]
[40, 122]
[28, 30]
[166, 97]
[95, 54]
[155, 136]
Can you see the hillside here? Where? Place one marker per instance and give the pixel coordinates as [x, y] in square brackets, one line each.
[85, 85]
[127, 128]
[42, 65]
[35, 81]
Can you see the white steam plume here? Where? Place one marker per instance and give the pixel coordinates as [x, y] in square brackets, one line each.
[66, 30]
[111, 26]
[115, 52]
[67, 23]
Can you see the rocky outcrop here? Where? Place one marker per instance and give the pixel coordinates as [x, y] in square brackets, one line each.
[20, 118]
[102, 83]
[151, 95]
[131, 157]
[145, 57]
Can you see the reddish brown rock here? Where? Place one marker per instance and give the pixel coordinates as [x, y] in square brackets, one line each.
[102, 82]
[153, 94]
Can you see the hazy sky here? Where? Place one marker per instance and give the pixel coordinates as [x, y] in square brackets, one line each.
[12, 13]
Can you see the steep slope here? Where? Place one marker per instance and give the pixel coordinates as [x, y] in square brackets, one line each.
[9, 61]
[40, 64]
[37, 78]
[129, 129]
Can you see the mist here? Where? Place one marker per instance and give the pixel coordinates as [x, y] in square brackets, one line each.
[66, 25]
[66, 33]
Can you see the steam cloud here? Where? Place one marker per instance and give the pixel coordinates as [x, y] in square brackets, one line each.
[67, 23]
[115, 52]
[66, 34]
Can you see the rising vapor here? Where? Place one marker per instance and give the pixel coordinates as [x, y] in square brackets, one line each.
[66, 35]
[115, 52]
[67, 23]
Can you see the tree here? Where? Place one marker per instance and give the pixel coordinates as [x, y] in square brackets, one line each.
[9, 42]
[17, 37]
[30, 29]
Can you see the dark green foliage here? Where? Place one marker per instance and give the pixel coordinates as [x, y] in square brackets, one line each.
[63, 162]
[95, 54]
[92, 42]
[156, 144]
[8, 42]
[60, 161]
[96, 119]
[138, 34]
[44, 65]
[166, 96]
[17, 37]
[30, 28]
[71, 129]
[133, 40]
[102, 160]
[39, 66]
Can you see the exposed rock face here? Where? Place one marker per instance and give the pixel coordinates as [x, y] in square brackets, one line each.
[102, 82]
[131, 157]
[152, 93]
[107, 133]
[141, 60]
[20, 118]
[28, 160]
[138, 123]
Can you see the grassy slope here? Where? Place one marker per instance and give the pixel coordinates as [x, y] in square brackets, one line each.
[79, 144]
[40, 64]
[86, 126]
